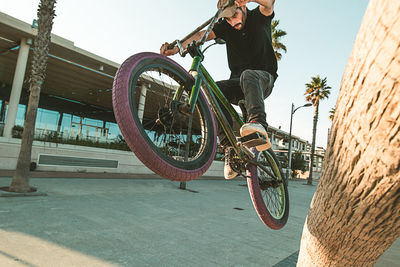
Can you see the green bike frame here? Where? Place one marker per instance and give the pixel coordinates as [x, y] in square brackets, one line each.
[204, 81]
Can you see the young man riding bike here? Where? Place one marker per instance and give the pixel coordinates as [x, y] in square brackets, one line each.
[252, 62]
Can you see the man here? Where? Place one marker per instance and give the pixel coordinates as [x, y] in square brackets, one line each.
[252, 62]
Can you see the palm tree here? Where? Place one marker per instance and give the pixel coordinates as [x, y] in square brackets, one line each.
[317, 90]
[276, 35]
[46, 13]
[354, 215]
[332, 113]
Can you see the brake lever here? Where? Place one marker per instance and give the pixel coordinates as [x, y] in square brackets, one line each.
[181, 49]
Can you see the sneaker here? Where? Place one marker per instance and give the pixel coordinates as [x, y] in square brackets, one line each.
[254, 126]
[229, 173]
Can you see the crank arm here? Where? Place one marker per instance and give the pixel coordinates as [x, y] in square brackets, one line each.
[249, 161]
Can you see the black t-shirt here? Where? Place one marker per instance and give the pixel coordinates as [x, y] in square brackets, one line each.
[251, 47]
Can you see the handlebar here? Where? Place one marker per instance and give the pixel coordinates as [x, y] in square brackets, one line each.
[210, 22]
[174, 43]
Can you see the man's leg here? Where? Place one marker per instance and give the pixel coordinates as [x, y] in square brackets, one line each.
[256, 85]
[232, 91]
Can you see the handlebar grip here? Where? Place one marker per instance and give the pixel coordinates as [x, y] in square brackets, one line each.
[172, 45]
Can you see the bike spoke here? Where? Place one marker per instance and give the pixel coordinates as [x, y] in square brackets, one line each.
[272, 193]
[166, 127]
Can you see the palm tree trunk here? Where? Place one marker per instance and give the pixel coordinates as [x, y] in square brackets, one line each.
[309, 180]
[20, 181]
[355, 212]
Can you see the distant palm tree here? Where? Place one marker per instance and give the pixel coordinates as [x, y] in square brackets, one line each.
[277, 34]
[316, 90]
[332, 113]
[20, 180]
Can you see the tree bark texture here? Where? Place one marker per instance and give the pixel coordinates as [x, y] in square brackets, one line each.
[20, 181]
[354, 215]
[314, 134]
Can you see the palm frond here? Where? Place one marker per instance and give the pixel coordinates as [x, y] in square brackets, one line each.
[317, 90]
[276, 35]
[332, 113]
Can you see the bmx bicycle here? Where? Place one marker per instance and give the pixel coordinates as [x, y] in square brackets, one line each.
[168, 119]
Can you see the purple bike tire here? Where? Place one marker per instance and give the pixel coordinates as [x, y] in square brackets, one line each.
[130, 128]
[257, 197]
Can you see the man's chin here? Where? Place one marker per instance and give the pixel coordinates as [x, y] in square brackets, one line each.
[238, 27]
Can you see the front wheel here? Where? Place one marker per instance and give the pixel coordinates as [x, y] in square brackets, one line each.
[173, 145]
[268, 190]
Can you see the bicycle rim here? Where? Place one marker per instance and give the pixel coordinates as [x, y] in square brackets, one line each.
[274, 198]
[166, 130]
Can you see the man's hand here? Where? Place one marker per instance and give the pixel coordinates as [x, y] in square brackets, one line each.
[266, 6]
[168, 52]
[240, 3]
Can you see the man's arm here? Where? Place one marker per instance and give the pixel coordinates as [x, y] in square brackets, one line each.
[196, 37]
[266, 6]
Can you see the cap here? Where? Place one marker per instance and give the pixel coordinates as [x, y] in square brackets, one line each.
[229, 10]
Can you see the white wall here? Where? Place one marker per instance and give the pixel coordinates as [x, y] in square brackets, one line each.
[128, 163]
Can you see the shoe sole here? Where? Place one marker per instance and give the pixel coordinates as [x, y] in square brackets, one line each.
[245, 131]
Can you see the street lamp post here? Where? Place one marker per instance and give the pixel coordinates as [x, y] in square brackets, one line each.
[290, 139]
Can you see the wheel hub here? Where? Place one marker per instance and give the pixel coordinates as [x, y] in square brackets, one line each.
[165, 117]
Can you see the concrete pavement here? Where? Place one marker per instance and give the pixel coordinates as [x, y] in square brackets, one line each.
[148, 222]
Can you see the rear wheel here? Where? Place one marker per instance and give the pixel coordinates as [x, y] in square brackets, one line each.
[268, 190]
[173, 145]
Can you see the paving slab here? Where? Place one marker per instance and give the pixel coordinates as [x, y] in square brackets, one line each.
[146, 222]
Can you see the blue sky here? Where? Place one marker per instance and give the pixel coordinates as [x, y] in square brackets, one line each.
[319, 41]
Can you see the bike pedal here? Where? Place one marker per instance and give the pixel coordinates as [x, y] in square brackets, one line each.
[246, 150]
[253, 140]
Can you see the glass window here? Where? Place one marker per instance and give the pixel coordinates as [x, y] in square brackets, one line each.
[92, 122]
[76, 119]
[2, 110]
[113, 130]
[47, 122]
[66, 126]
[47, 119]
[20, 119]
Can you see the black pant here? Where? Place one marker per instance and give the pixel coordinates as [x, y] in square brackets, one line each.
[253, 86]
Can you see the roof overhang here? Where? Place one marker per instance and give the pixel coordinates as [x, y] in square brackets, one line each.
[72, 73]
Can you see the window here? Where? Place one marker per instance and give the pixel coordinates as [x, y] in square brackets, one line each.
[20, 119]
